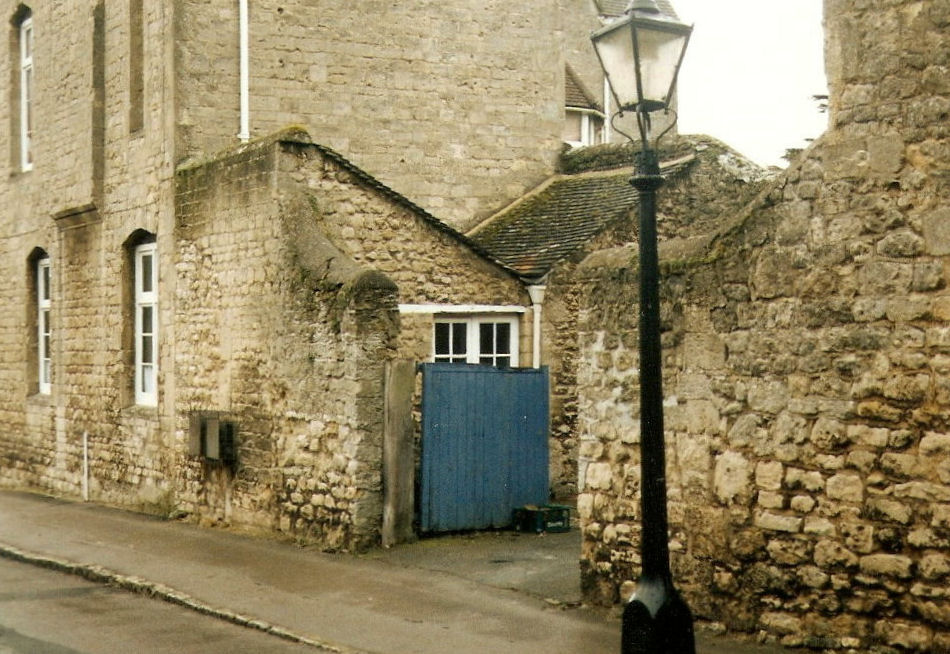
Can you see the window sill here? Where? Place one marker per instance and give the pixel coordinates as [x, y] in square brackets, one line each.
[39, 400]
[140, 411]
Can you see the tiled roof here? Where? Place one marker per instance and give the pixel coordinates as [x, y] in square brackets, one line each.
[615, 8]
[563, 216]
[548, 226]
[575, 94]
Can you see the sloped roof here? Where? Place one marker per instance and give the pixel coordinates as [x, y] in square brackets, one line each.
[548, 226]
[575, 93]
[562, 216]
[615, 8]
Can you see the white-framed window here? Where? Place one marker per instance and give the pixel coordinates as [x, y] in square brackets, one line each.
[485, 340]
[583, 127]
[43, 305]
[146, 325]
[26, 93]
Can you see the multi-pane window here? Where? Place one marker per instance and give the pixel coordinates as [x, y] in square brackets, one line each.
[486, 341]
[26, 93]
[146, 325]
[43, 329]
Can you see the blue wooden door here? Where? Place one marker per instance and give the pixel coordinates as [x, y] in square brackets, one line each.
[484, 445]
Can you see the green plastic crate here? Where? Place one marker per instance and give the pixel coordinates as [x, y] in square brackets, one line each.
[555, 518]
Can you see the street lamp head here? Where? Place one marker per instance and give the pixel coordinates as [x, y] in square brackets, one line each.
[641, 55]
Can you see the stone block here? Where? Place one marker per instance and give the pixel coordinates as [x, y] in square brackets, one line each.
[858, 537]
[828, 434]
[935, 443]
[888, 510]
[768, 475]
[936, 230]
[788, 552]
[770, 500]
[777, 522]
[802, 503]
[887, 565]
[809, 480]
[830, 554]
[912, 637]
[812, 576]
[780, 623]
[732, 478]
[934, 566]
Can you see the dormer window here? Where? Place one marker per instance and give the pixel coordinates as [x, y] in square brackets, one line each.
[583, 117]
[583, 127]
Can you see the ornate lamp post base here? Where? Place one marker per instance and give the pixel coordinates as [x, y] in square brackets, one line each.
[657, 621]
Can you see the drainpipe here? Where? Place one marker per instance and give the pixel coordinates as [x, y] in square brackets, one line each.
[245, 132]
[536, 293]
[85, 466]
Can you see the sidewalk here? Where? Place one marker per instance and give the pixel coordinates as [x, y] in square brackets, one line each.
[430, 598]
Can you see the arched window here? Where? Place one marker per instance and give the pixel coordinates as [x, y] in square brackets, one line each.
[40, 357]
[142, 282]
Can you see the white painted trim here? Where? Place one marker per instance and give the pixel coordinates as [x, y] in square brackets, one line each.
[26, 94]
[146, 299]
[461, 308]
[43, 309]
[473, 351]
[537, 299]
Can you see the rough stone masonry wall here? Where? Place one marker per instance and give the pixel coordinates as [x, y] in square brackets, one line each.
[456, 104]
[807, 374]
[277, 332]
[715, 182]
[376, 228]
[91, 186]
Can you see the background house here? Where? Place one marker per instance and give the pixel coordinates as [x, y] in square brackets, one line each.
[805, 373]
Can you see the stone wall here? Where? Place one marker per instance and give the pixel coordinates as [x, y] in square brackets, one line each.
[92, 185]
[280, 331]
[708, 181]
[457, 104]
[805, 371]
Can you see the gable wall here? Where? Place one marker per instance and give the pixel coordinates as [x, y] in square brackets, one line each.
[428, 265]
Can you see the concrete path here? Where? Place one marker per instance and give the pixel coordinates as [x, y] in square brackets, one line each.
[497, 593]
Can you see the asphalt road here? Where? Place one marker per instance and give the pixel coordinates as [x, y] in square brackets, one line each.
[46, 612]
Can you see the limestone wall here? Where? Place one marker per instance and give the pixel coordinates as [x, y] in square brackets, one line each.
[279, 331]
[457, 105]
[805, 373]
[710, 180]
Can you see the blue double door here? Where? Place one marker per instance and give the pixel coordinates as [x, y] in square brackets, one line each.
[484, 445]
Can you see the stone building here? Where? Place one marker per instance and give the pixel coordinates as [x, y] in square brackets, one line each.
[805, 369]
[174, 290]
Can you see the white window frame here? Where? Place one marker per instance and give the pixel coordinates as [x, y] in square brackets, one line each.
[473, 353]
[146, 343]
[588, 130]
[26, 94]
[43, 331]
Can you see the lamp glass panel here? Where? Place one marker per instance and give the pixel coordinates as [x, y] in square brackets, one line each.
[615, 49]
[660, 53]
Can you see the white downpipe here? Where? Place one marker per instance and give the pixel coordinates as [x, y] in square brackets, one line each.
[85, 466]
[245, 132]
[536, 293]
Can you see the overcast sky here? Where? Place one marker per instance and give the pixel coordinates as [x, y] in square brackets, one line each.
[750, 72]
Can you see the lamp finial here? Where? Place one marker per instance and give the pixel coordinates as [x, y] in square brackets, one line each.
[648, 6]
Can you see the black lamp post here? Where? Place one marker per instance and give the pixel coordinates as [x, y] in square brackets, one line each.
[641, 55]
